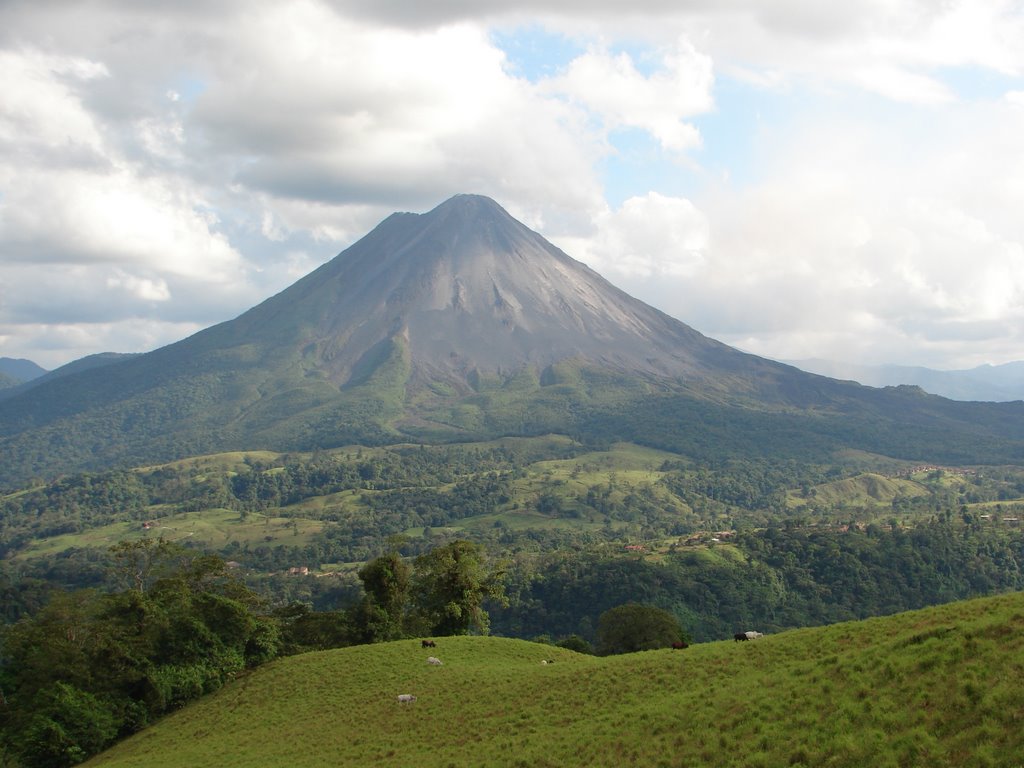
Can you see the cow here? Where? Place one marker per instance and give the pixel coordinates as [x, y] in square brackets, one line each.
[740, 636]
[753, 635]
[428, 644]
[679, 645]
[433, 660]
[406, 698]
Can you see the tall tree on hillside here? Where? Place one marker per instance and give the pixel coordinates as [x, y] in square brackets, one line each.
[386, 582]
[450, 586]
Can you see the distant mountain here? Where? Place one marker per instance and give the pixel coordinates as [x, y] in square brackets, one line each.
[75, 366]
[992, 383]
[20, 370]
[458, 324]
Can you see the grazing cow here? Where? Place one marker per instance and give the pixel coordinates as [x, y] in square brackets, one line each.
[428, 643]
[753, 635]
[406, 698]
[679, 645]
[433, 660]
[740, 636]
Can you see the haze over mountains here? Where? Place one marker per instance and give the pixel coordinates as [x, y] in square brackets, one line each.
[461, 323]
[996, 383]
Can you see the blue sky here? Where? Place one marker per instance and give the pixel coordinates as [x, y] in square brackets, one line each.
[797, 183]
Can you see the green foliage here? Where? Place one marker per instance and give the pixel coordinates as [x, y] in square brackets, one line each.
[386, 582]
[90, 667]
[451, 584]
[632, 627]
[303, 629]
[65, 727]
[778, 577]
[576, 644]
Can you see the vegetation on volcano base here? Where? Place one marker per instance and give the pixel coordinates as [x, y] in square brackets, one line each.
[933, 687]
[585, 528]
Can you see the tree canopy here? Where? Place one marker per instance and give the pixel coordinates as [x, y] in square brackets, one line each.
[633, 627]
[451, 584]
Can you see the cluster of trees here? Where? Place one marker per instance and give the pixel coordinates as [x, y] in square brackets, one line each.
[91, 667]
[779, 577]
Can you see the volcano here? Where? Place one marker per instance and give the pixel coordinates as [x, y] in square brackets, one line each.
[470, 291]
[460, 323]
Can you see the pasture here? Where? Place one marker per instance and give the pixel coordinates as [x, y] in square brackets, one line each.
[213, 528]
[940, 687]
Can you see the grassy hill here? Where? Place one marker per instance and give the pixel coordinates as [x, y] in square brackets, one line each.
[866, 490]
[934, 687]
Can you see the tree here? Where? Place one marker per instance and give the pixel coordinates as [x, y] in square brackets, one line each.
[386, 582]
[633, 627]
[575, 643]
[67, 726]
[450, 586]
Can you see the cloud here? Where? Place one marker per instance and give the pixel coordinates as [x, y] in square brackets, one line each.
[856, 254]
[612, 88]
[648, 238]
[341, 114]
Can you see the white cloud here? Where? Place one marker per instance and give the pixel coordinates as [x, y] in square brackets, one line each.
[853, 254]
[143, 288]
[900, 85]
[613, 88]
[648, 238]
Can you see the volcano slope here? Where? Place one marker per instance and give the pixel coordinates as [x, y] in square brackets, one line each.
[460, 324]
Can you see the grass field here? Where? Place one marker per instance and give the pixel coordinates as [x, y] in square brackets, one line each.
[212, 527]
[938, 687]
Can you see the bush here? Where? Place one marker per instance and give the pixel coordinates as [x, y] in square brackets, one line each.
[575, 643]
[633, 627]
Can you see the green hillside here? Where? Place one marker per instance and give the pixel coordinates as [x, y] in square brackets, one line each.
[868, 489]
[938, 687]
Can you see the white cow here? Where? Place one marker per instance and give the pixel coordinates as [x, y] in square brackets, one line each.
[406, 698]
[751, 635]
[433, 660]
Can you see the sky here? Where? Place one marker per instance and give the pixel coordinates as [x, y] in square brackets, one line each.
[797, 179]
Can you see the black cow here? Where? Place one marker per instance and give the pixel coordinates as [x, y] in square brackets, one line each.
[740, 636]
[428, 644]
